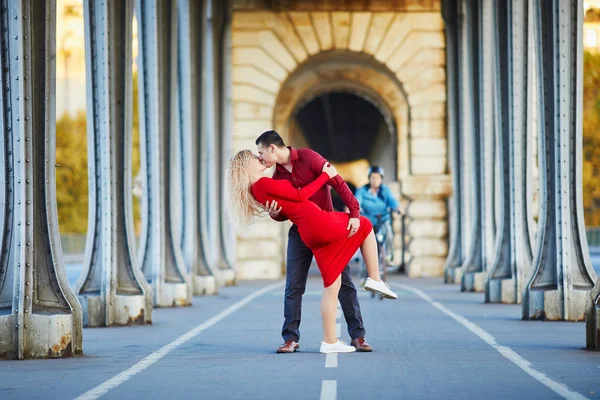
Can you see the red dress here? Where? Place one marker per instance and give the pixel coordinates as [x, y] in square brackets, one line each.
[324, 232]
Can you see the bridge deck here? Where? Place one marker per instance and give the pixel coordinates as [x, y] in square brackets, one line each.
[443, 349]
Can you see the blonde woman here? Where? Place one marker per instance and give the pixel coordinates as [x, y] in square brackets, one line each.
[324, 232]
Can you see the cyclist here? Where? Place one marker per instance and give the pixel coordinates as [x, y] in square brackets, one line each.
[376, 203]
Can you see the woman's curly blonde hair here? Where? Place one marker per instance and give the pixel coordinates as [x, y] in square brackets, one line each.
[239, 173]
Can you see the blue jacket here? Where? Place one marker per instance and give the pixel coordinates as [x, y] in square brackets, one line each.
[373, 204]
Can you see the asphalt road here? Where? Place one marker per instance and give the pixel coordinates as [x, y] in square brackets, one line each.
[434, 342]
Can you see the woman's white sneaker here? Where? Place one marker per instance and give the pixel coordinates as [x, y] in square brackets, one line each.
[380, 287]
[337, 347]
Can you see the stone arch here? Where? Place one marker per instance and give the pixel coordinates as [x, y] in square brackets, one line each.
[345, 71]
[397, 58]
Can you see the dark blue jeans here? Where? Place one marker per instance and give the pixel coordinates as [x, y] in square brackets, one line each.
[299, 258]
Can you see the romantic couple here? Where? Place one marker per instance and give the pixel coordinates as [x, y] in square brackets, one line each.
[298, 192]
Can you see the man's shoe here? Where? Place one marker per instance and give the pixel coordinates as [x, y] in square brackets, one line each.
[288, 347]
[337, 347]
[380, 287]
[360, 344]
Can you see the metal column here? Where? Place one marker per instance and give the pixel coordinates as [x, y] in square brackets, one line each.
[513, 248]
[40, 316]
[562, 268]
[209, 167]
[112, 288]
[227, 227]
[190, 100]
[451, 23]
[470, 94]
[488, 153]
[159, 254]
[592, 318]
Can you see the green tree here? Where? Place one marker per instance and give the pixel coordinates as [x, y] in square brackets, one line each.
[72, 174]
[591, 138]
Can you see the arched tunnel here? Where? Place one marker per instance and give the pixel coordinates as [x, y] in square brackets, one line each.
[348, 128]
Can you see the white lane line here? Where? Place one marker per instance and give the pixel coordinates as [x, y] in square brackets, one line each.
[338, 314]
[557, 387]
[338, 330]
[331, 360]
[329, 390]
[118, 379]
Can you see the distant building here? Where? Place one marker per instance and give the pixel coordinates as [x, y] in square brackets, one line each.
[70, 57]
[591, 25]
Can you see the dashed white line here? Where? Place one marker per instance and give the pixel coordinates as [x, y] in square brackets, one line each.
[338, 330]
[118, 379]
[329, 390]
[338, 314]
[331, 360]
[557, 387]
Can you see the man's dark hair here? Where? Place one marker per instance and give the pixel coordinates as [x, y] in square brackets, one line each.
[268, 138]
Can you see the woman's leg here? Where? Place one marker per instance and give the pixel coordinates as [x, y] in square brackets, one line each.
[328, 310]
[369, 252]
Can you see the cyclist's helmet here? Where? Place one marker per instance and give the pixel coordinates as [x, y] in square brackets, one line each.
[376, 169]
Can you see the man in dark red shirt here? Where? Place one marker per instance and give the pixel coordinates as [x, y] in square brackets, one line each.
[300, 167]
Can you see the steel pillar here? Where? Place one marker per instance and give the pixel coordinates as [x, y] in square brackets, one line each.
[451, 23]
[112, 288]
[561, 263]
[40, 316]
[488, 152]
[513, 248]
[190, 99]
[209, 167]
[592, 317]
[470, 102]
[159, 251]
[227, 227]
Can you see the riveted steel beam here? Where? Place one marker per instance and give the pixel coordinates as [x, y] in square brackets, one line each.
[159, 251]
[561, 263]
[191, 29]
[227, 227]
[112, 288]
[592, 318]
[450, 14]
[488, 151]
[40, 316]
[471, 162]
[210, 172]
[513, 249]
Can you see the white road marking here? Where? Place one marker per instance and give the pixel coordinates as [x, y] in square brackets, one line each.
[338, 330]
[120, 378]
[331, 360]
[338, 313]
[557, 387]
[329, 390]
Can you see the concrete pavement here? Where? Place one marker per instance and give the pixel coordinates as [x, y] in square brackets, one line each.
[420, 352]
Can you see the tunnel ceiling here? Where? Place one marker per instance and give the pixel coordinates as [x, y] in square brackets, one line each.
[341, 126]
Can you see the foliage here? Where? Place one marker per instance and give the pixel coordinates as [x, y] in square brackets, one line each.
[72, 174]
[591, 138]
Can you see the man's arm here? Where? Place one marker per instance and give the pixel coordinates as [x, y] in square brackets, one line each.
[337, 183]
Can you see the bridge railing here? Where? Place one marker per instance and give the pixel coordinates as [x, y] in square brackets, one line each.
[593, 238]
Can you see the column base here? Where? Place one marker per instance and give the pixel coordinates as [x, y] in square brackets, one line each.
[127, 310]
[225, 277]
[547, 306]
[47, 336]
[174, 295]
[593, 328]
[205, 285]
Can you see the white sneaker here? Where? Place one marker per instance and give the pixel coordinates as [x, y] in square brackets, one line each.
[380, 287]
[337, 347]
